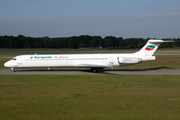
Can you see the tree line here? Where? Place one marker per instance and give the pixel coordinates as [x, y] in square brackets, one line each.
[83, 41]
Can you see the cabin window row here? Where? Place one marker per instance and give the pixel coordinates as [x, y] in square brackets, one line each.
[65, 59]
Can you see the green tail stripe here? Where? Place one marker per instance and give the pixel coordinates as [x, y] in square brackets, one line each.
[151, 46]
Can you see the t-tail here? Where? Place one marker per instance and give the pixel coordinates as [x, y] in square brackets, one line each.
[149, 49]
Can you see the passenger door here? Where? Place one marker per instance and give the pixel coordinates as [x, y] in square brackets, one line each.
[19, 61]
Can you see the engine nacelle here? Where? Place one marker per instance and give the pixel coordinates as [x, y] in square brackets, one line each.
[129, 60]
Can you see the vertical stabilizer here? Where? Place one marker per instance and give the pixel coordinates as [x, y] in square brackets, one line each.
[149, 49]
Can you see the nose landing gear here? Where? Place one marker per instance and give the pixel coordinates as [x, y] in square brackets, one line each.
[12, 70]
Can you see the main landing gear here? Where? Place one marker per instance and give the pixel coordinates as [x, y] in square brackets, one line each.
[98, 69]
[94, 70]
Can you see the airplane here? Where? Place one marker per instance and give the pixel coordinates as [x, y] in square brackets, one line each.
[93, 61]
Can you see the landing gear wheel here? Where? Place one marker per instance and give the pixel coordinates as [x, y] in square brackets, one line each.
[93, 70]
[12, 69]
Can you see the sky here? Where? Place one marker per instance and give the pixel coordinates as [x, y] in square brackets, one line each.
[66, 18]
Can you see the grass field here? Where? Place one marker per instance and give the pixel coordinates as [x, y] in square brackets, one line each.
[69, 51]
[90, 97]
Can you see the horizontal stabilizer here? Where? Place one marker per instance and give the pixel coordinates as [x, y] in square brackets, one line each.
[158, 41]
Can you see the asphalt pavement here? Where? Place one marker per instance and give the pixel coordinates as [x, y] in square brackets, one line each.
[88, 72]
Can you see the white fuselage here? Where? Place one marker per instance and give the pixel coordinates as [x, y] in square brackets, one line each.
[67, 60]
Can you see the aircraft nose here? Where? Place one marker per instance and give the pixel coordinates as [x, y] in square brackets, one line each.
[7, 64]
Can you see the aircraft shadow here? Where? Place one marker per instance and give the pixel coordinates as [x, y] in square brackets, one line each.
[132, 70]
[156, 68]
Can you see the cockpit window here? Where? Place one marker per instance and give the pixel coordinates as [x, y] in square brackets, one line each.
[14, 59]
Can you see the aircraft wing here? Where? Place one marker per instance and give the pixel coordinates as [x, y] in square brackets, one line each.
[90, 65]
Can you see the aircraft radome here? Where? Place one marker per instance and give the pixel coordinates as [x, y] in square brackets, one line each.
[93, 61]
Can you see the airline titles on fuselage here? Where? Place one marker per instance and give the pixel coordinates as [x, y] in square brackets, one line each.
[42, 58]
[48, 57]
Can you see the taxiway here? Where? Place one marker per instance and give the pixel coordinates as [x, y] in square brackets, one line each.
[87, 71]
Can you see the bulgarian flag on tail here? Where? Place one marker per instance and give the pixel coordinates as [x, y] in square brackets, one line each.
[150, 47]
